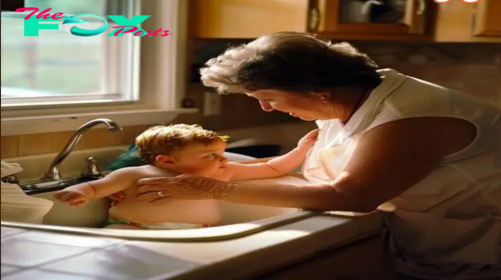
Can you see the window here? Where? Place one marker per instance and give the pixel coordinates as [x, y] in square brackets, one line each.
[57, 81]
[59, 68]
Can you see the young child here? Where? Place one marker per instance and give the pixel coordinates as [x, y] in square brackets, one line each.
[170, 151]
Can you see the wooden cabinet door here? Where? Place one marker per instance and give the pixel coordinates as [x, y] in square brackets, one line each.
[235, 19]
[458, 21]
[361, 260]
[343, 19]
[487, 20]
[371, 19]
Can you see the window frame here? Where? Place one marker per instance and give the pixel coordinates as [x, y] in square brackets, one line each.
[160, 94]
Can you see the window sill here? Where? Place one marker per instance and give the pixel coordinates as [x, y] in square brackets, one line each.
[70, 122]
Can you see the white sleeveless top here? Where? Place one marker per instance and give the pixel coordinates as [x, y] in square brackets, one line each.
[449, 224]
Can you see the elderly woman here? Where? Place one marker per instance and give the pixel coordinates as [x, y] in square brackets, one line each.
[427, 157]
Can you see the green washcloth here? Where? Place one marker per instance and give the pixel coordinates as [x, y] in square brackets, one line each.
[127, 159]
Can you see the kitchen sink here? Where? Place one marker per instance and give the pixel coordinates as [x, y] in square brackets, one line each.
[237, 219]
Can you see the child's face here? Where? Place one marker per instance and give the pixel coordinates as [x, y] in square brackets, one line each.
[202, 158]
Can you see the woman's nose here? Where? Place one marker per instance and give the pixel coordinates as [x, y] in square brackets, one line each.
[266, 106]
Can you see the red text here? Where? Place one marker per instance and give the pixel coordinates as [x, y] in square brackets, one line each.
[134, 30]
[44, 14]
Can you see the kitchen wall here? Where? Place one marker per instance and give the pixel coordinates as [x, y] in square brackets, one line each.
[238, 112]
[472, 68]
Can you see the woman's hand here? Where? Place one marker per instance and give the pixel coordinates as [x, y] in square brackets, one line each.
[161, 190]
[308, 140]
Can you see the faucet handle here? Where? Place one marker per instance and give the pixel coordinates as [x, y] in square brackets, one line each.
[91, 170]
[11, 179]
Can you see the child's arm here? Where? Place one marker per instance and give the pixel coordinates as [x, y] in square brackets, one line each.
[277, 166]
[114, 182]
[258, 160]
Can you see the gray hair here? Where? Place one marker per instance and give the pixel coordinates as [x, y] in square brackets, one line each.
[289, 61]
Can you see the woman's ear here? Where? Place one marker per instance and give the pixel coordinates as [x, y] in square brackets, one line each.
[164, 159]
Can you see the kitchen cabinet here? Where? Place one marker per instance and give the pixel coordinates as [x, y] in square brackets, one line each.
[402, 20]
[469, 22]
[246, 18]
[361, 260]
[339, 19]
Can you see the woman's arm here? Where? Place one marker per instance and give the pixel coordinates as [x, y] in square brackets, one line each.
[388, 160]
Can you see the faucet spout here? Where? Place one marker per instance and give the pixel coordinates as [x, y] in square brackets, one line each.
[54, 174]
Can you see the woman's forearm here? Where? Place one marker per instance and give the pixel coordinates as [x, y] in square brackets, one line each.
[308, 197]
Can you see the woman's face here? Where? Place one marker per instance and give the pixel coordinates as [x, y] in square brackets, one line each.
[307, 107]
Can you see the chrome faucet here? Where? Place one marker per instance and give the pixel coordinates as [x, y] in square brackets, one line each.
[53, 174]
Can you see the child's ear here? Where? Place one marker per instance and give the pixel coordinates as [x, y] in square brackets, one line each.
[164, 159]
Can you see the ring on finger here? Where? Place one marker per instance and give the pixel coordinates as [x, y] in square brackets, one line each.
[161, 194]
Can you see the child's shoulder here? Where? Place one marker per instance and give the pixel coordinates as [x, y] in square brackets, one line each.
[144, 171]
[138, 170]
[151, 170]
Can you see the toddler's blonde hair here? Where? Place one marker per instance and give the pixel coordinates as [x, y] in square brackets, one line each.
[164, 139]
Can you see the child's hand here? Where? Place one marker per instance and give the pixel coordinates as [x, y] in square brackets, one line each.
[116, 198]
[308, 140]
[72, 197]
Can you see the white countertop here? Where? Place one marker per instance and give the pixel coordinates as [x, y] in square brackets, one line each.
[28, 254]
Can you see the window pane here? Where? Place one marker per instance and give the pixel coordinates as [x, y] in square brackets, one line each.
[57, 63]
